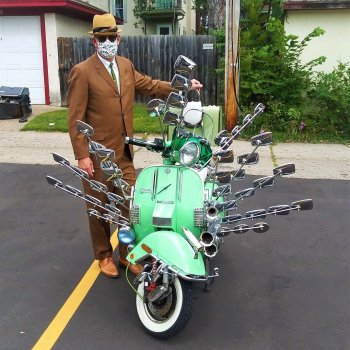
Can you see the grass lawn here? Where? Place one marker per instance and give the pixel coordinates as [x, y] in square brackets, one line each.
[57, 121]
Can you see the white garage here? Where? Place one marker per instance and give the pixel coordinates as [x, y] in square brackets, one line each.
[21, 59]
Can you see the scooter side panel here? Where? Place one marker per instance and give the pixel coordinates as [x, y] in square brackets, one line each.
[172, 249]
[167, 196]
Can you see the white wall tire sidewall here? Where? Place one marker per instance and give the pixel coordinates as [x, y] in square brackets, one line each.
[153, 325]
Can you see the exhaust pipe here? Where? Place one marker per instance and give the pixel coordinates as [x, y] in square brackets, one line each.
[212, 214]
[206, 238]
[211, 251]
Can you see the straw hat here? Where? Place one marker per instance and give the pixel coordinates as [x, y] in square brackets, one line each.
[104, 25]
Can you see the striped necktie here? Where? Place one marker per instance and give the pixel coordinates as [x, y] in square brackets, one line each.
[113, 75]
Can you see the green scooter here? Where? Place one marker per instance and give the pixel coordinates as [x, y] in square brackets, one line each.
[181, 210]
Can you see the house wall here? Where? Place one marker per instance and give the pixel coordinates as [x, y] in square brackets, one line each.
[129, 26]
[60, 26]
[102, 4]
[334, 44]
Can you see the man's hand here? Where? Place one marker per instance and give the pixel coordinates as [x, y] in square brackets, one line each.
[86, 164]
[196, 85]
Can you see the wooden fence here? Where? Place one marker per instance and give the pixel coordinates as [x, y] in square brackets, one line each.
[151, 55]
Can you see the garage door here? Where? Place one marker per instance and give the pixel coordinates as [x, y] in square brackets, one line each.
[21, 62]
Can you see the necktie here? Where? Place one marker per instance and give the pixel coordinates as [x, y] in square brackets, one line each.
[113, 75]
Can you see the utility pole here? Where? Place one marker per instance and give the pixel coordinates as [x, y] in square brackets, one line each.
[231, 60]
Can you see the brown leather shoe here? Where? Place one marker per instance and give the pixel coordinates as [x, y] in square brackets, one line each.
[108, 267]
[134, 269]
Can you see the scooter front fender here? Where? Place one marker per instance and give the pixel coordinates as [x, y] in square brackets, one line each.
[172, 249]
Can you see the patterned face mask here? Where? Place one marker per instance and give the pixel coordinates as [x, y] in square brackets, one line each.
[107, 49]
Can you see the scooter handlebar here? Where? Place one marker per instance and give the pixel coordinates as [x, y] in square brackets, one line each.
[155, 145]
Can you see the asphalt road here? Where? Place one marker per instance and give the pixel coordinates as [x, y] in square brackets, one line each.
[288, 288]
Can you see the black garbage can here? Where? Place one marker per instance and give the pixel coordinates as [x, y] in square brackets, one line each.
[15, 103]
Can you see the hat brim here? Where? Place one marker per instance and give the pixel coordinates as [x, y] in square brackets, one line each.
[91, 32]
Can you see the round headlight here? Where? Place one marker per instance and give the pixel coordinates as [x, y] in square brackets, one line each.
[126, 235]
[189, 154]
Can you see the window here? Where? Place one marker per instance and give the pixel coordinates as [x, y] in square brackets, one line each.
[120, 9]
[163, 29]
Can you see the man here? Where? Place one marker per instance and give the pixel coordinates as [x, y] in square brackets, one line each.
[101, 92]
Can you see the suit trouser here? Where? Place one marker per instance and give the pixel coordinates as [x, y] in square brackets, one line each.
[99, 229]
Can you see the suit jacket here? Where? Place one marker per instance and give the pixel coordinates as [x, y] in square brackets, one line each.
[93, 98]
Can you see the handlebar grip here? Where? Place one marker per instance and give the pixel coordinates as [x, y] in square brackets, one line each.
[156, 145]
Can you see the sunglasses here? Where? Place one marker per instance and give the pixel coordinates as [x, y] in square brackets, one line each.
[111, 38]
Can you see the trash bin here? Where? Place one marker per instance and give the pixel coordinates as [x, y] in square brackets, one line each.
[15, 103]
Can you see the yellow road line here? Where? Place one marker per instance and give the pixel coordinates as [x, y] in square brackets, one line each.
[59, 323]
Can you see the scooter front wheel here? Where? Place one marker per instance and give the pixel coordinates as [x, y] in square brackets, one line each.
[167, 317]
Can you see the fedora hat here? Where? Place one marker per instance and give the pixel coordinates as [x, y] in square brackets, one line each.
[104, 25]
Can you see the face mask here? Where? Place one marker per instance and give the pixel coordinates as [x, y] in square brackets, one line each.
[107, 49]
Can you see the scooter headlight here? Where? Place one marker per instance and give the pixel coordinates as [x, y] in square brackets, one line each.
[126, 235]
[189, 154]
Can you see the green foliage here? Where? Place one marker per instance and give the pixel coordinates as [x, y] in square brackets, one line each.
[330, 96]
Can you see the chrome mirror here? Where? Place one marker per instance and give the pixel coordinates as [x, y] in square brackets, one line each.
[155, 107]
[176, 100]
[304, 204]
[261, 227]
[184, 66]
[98, 186]
[235, 131]
[222, 134]
[113, 210]
[257, 213]
[222, 191]
[232, 218]
[54, 182]
[249, 158]
[259, 108]
[95, 146]
[263, 182]
[285, 169]
[263, 139]
[93, 200]
[85, 128]
[181, 83]
[112, 197]
[238, 174]
[241, 228]
[247, 119]
[74, 191]
[248, 192]
[59, 159]
[80, 172]
[279, 209]
[171, 118]
[225, 156]
[106, 154]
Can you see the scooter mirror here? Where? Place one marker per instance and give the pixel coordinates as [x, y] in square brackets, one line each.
[263, 182]
[218, 138]
[74, 191]
[238, 174]
[95, 146]
[259, 108]
[155, 107]
[92, 200]
[181, 83]
[224, 156]
[113, 210]
[248, 192]
[54, 182]
[254, 214]
[304, 204]
[171, 118]
[79, 172]
[247, 119]
[261, 227]
[223, 176]
[279, 209]
[112, 197]
[106, 154]
[176, 101]
[248, 159]
[226, 205]
[84, 128]
[240, 229]
[286, 169]
[184, 66]
[235, 131]
[93, 212]
[59, 159]
[98, 186]
[231, 218]
[263, 139]
[222, 191]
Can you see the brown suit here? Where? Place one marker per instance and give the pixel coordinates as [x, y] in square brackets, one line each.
[93, 97]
